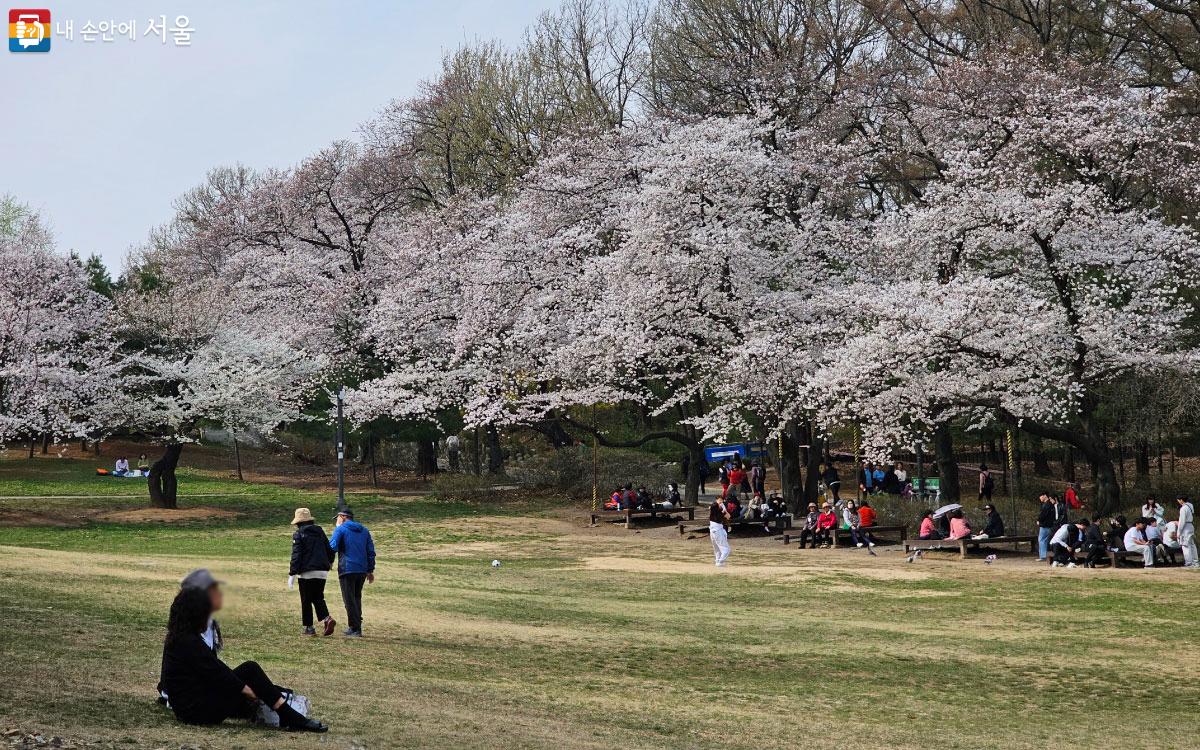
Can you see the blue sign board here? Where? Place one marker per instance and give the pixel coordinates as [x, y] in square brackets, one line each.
[715, 454]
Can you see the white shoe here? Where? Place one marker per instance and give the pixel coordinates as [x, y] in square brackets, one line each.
[871, 544]
[1072, 565]
[1056, 565]
[858, 545]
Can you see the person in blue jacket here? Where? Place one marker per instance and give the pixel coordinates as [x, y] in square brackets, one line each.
[356, 565]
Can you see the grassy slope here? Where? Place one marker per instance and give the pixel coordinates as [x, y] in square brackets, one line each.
[589, 640]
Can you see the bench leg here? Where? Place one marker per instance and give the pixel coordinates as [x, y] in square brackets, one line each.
[628, 519]
[593, 519]
[691, 514]
[962, 549]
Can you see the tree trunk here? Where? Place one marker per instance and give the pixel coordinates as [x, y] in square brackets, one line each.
[811, 458]
[1041, 462]
[426, 458]
[1121, 462]
[475, 452]
[237, 455]
[691, 488]
[374, 468]
[83, 446]
[791, 478]
[1069, 463]
[554, 432]
[45, 443]
[948, 477]
[161, 478]
[1141, 463]
[495, 456]
[32, 444]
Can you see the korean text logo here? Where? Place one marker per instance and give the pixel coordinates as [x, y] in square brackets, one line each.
[29, 30]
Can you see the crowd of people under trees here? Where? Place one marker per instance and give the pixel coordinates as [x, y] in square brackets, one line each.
[958, 215]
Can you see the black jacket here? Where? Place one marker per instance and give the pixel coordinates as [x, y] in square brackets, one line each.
[1051, 516]
[310, 550]
[995, 525]
[1093, 537]
[200, 685]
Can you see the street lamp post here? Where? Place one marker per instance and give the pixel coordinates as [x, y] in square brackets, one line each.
[341, 451]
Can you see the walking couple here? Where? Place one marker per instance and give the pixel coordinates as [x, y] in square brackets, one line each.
[312, 559]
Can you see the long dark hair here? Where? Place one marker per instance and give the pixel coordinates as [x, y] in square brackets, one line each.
[189, 614]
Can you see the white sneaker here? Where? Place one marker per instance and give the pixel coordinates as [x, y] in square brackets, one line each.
[871, 544]
[1072, 565]
[858, 545]
[1056, 565]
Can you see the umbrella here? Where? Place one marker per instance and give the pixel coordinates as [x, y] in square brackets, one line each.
[946, 509]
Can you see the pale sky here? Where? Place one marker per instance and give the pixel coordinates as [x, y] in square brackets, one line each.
[101, 136]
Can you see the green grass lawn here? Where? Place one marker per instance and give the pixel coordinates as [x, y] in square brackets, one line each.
[583, 638]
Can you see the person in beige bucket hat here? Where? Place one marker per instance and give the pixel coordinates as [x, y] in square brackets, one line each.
[311, 561]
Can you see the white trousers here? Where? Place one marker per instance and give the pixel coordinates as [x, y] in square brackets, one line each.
[720, 542]
[1187, 540]
[1147, 552]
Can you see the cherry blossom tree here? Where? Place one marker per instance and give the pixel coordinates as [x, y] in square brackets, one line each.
[1045, 260]
[58, 371]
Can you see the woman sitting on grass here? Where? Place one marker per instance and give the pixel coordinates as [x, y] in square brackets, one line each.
[203, 689]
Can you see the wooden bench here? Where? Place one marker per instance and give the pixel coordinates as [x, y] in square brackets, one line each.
[872, 530]
[629, 514]
[846, 538]
[1116, 556]
[962, 545]
[777, 524]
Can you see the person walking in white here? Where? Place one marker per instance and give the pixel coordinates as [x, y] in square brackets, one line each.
[718, 516]
[1187, 532]
[1135, 541]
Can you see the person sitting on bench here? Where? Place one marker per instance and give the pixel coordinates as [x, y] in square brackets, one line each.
[1093, 542]
[1170, 540]
[825, 523]
[995, 524]
[866, 519]
[1061, 547]
[1154, 535]
[203, 689]
[959, 528]
[812, 525]
[629, 498]
[928, 528]
[1116, 533]
[734, 507]
[1136, 541]
[644, 501]
[614, 501]
[672, 500]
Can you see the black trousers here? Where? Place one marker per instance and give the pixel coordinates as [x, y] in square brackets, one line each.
[1096, 554]
[1062, 554]
[312, 596]
[817, 537]
[236, 706]
[352, 586]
